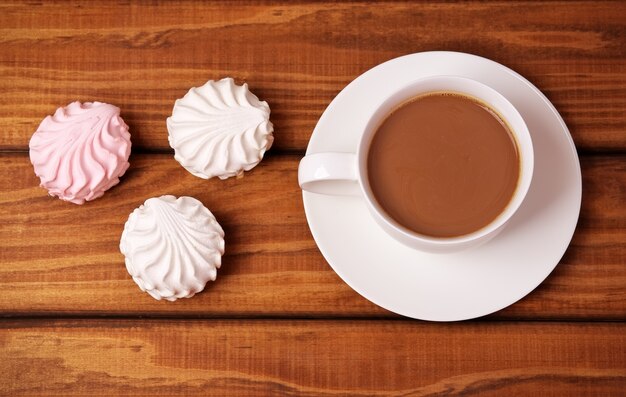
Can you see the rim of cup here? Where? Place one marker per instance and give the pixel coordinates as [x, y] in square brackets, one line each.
[489, 97]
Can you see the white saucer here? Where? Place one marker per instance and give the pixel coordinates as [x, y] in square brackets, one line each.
[469, 284]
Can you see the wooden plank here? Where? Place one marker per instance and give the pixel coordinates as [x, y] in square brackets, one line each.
[59, 258]
[311, 358]
[297, 56]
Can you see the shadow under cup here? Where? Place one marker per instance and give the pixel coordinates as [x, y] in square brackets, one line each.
[468, 90]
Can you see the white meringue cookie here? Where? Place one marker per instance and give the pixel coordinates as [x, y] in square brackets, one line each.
[173, 247]
[220, 129]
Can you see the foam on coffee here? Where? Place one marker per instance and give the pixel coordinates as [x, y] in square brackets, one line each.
[443, 165]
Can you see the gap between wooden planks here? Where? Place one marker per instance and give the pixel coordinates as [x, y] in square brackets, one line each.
[311, 358]
[63, 259]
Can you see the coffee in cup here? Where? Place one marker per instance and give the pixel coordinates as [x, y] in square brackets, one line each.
[443, 164]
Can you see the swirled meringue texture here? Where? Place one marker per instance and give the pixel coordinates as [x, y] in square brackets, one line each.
[173, 247]
[81, 151]
[220, 129]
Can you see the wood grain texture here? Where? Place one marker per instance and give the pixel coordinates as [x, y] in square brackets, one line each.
[141, 56]
[62, 260]
[311, 358]
[59, 258]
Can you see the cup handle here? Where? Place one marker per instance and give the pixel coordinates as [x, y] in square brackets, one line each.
[329, 173]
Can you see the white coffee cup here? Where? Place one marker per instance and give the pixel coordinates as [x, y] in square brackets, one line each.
[346, 173]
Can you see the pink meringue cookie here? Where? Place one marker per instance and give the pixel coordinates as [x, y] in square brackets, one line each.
[81, 151]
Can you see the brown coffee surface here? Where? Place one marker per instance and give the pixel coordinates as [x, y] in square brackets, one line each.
[443, 165]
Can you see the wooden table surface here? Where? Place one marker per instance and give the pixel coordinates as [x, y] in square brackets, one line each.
[278, 320]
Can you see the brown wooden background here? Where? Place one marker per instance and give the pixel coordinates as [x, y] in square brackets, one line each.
[278, 321]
